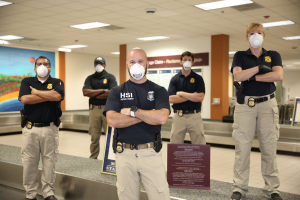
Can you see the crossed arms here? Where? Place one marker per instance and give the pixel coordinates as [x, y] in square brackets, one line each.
[185, 96]
[123, 119]
[39, 96]
[97, 93]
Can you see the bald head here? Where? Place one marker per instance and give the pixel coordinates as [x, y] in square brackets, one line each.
[136, 53]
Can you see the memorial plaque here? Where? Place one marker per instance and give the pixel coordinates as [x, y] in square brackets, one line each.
[189, 166]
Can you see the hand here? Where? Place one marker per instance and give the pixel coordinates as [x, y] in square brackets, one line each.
[179, 93]
[264, 69]
[125, 111]
[33, 90]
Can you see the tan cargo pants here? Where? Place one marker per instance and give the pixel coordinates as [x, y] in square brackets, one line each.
[96, 121]
[264, 118]
[191, 123]
[35, 142]
[144, 164]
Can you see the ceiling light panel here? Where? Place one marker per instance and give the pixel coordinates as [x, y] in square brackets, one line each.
[5, 3]
[10, 37]
[279, 23]
[74, 46]
[153, 38]
[90, 25]
[222, 4]
[116, 53]
[64, 49]
[292, 38]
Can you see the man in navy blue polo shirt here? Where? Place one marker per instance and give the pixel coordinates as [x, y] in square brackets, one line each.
[41, 95]
[256, 109]
[186, 92]
[138, 108]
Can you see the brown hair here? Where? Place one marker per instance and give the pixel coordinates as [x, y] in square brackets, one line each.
[254, 25]
[187, 53]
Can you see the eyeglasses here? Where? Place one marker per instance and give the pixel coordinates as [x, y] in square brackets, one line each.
[45, 64]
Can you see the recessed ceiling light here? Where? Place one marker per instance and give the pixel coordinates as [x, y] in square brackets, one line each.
[10, 37]
[280, 23]
[3, 42]
[222, 4]
[5, 3]
[291, 38]
[296, 63]
[64, 49]
[232, 52]
[90, 25]
[117, 53]
[74, 46]
[153, 38]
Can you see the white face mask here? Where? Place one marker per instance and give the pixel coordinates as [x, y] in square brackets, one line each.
[42, 71]
[187, 65]
[137, 71]
[256, 40]
[99, 68]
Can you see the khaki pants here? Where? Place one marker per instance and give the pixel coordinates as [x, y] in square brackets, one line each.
[145, 164]
[35, 142]
[96, 121]
[264, 118]
[191, 123]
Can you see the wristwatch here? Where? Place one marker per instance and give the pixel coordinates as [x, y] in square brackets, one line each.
[133, 109]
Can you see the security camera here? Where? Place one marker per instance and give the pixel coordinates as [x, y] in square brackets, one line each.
[150, 10]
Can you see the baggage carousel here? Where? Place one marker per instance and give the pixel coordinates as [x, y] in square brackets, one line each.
[216, 131]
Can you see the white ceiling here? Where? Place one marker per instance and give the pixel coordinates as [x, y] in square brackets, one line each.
[49, 21]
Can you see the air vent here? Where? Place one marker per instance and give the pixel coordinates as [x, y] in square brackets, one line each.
[246, 7]
[112, 27]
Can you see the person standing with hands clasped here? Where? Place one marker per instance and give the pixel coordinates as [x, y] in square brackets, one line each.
[256, 109]
[186, 92]
[137, 109]
[97, 86]
[41, 95]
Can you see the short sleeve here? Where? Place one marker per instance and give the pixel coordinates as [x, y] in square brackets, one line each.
[59, 87]
[24, 89]
[276, 59]
[113, 101]
[162, 99]
[87, 83]
[172, 86]
[236, 61]
[112, 82]
[200, 85]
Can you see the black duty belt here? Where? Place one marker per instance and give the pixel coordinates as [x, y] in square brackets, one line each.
[38, 124]
[262, 99]
[187, 111]
[139, 146]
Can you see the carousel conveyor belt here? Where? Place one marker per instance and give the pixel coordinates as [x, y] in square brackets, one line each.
[216, 131]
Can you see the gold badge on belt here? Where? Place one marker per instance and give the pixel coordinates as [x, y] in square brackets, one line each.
[105, 81]
[180, 113]
[251, 102]
[29, 125]
[91, 107]
[49, 86]
[120, 147]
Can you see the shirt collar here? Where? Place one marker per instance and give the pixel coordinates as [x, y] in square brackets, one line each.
[248, 52]
[181, 75]
[37, 80]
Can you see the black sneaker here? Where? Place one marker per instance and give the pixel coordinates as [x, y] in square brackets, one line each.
[236, 196]
[276, 196]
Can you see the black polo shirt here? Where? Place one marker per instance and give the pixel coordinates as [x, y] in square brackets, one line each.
[103, 81]
[192, 83]
[47, 111]
[145, 96]
[246, 60]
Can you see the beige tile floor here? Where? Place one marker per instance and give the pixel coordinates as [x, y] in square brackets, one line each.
[78, 144]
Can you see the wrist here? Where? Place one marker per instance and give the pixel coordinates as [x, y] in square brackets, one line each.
[105, 90]
[133, 109]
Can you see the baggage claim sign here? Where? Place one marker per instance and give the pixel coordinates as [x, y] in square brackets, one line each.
[200, 59]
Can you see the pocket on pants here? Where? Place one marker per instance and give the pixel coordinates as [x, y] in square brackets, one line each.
[235, 128]
[276, 122]
[164, 192]
[120, 191]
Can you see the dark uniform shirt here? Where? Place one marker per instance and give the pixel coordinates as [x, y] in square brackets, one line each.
[95, 81]
[47, 111]
[145, 96]
[192, 83]
[246, 60]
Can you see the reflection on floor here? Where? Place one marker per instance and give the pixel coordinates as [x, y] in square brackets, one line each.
[78, 144]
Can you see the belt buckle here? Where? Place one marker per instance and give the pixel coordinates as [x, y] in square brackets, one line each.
[29, 125]
[134, 146]
[180, 113]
